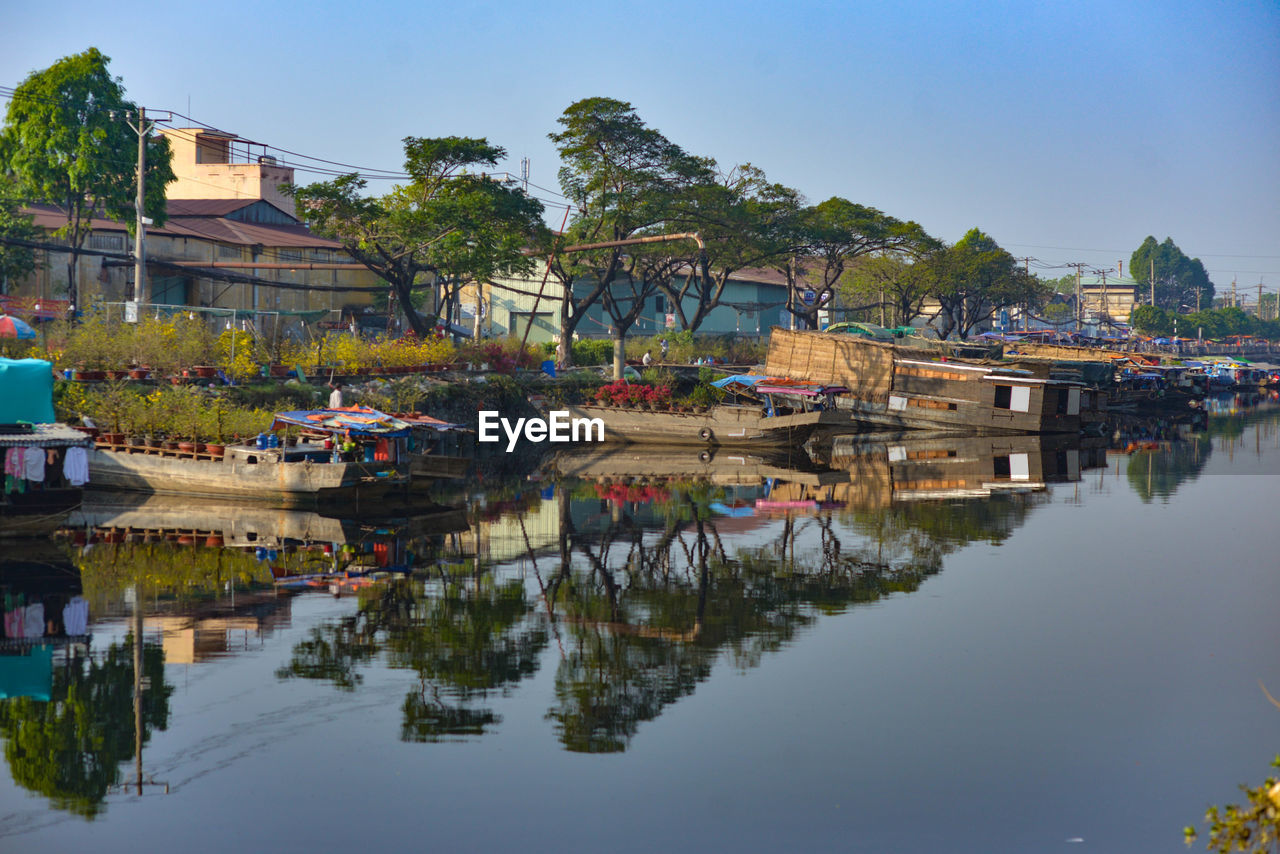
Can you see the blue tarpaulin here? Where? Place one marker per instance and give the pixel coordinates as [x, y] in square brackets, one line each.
[747, 380]
[26, 391]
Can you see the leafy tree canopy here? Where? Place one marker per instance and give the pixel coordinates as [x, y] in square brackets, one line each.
[16, 261]
[66, 142]
[833, 235]
[975, 277]
[447, 223]
[1179, 280]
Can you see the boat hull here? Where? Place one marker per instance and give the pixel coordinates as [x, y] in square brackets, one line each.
[263, 479]
[721, 426]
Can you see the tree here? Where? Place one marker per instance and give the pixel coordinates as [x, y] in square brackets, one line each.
[626, 180]
[832, 236]
[16, 261]
[745, 221]
[975, 277]
[892, 283]
[1179, 280]
[447, 224]
[67, 142]
[1151, 320]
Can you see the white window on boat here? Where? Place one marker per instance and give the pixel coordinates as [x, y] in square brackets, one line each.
[1073, 401]
[897, 453]
[897, 402]
[1020, 399]
[1019, 467]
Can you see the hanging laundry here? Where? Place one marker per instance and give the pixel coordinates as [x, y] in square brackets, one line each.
[75, 616]
[13, 621]
[75, 467]
[14, 469]
[33, 621]
[33, 465]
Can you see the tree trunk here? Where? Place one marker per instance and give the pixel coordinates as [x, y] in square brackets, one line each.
[619, 354]
[416, 321]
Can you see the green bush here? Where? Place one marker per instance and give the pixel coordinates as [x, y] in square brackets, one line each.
[592, 351]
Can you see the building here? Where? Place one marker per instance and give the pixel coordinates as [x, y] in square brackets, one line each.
[753, 302]
[1108, 297]
[230, 242]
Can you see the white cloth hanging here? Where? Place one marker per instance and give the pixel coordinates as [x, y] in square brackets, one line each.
[33, 621]
[75, 466]
[75, 616]
[33, 464]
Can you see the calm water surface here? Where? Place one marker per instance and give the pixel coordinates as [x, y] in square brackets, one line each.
[975, 645]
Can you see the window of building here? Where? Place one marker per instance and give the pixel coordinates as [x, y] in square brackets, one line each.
[107, 242]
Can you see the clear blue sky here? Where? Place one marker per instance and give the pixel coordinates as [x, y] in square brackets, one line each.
[1069, 132]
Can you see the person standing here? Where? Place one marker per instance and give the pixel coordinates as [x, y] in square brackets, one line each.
[662, 349]
[335, 396]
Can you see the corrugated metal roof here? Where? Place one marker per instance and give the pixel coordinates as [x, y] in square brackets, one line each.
[206, 207]
[46, 436]
[214, 228]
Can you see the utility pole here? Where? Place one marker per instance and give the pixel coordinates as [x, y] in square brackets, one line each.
[139, 246]
[1026, 306]
[1079, 308]
[1153, 282]
[1259, 300]
[1233, 292]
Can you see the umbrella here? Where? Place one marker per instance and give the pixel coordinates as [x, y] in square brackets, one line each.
[12, 327]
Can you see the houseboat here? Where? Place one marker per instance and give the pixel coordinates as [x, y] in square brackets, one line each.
[352, 456]
[888, 387]
[727, 425]
[45, 463]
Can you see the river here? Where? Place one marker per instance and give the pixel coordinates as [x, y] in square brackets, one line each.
[972, 645]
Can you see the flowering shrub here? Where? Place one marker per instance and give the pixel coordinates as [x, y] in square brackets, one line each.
[622, 492]
[622, 393]
[501, 355]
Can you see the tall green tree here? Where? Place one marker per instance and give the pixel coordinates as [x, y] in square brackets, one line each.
[974, 278]
[625, 180]
[16, 260]
[832, 236]
[895, 285]
[745, 221]
[1179, 280]
[67, 142]
[449, 224]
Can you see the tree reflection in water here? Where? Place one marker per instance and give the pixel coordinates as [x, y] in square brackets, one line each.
[465, 637]
[641, 599]
[69, 748]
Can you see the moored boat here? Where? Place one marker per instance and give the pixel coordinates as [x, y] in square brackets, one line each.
[901, 389]
[725, 425]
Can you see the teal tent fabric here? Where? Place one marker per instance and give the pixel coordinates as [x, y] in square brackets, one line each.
[29, 675]
[26, 391]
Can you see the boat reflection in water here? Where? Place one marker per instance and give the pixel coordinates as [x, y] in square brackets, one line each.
[634, 572]
[639, 569]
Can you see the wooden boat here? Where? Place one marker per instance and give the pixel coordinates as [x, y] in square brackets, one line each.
[299, 476]
[661, 461]
[231, 524]
[39, 510]
[412, 441]
[899, 388]
[726, 425]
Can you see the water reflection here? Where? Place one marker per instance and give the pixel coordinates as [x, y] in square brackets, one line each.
[72, 715]
[633, 572]
[641, 581]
